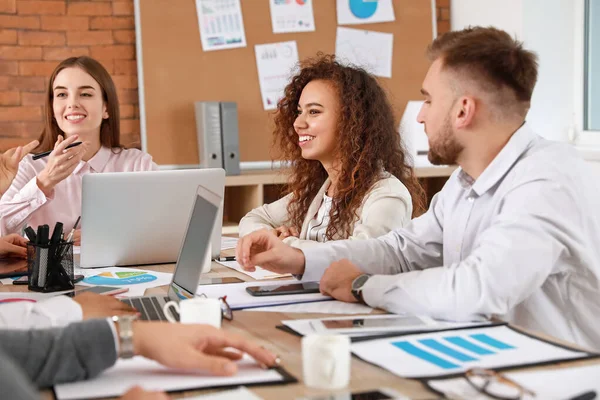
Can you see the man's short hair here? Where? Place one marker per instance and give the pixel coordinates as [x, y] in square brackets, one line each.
[491, 58]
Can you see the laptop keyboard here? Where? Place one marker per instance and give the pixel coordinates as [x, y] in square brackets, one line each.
[150, 308]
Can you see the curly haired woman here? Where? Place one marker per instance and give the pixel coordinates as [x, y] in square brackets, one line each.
[349, 174]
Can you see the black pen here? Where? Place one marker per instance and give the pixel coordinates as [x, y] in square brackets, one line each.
[47, 153]
[228, 258]
[590, 395]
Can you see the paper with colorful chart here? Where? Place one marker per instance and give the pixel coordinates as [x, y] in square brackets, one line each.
[276, 63]
[452, 352]
[364, 11]
[137, 280]
[221, 24]
[292, 16]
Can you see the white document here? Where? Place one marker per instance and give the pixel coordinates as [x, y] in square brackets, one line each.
[322, 307]
[364, 11]
[276, 63]
[237, 394]
[238, 298]
[413, 134]
[367, 49]
[292, 16]
[556, 384]
[258, 274]
[221, 24]
[132, 278]
[152, 376]
[451, 352]
[228, 242]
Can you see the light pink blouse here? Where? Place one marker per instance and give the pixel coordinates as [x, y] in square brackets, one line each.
[24, 202]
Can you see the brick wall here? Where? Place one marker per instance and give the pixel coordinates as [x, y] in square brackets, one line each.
[35, 35]
[443, 16]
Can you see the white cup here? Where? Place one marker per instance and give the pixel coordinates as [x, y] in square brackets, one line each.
[198, 310]
[326, 361]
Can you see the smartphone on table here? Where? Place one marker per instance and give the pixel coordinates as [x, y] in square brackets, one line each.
[104, 290]
[289, 288]
[376, 394]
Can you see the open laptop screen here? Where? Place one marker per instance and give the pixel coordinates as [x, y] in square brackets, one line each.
[196, 243]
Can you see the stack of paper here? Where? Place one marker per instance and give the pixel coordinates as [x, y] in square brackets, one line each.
[238, 298]
[258, 274]
[320, 307]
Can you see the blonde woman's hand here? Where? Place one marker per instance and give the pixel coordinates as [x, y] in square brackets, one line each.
[61, 163]
[9, 164]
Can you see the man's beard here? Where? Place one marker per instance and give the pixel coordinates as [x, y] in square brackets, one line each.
[446, 149]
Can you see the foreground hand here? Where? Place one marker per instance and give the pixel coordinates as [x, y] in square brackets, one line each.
[137, 393]
[263, 248]
[61, 163]
[77, 237]
[337, 280]
[9, 164]
[283, 232]
[13, 245]
[94, 305]
[191, 346]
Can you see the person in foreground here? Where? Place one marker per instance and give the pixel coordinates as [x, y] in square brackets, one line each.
[44, 358]
[512, 234]
[81, 105]
[349, 175]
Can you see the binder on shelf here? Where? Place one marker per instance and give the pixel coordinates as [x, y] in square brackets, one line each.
[218, 138]
[230, 138]
[208, 130]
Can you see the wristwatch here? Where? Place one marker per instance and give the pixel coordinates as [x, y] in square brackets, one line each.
[125, 324]
[357, 286]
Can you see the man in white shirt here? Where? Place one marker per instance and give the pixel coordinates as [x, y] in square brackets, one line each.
[512, 234]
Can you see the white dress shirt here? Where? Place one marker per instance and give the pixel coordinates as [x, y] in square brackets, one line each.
[521, 243]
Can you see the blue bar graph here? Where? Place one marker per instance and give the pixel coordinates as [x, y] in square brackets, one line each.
[424, 355]
[450, 352]
[490, 341]
[468, 345]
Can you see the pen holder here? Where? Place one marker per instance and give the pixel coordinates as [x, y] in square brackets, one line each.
[50, 267]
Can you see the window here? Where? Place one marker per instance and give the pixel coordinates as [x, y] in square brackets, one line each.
[591, 102]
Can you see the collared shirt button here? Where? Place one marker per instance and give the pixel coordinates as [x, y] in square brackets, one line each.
[470, 199]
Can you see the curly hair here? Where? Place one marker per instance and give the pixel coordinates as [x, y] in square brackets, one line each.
[368, 143]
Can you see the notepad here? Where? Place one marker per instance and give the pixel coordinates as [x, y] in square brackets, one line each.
[150, 375]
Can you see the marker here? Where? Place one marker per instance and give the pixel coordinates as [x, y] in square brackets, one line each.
[47, 153]
[228, 258]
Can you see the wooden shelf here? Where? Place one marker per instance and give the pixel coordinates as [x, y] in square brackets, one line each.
[247, 191]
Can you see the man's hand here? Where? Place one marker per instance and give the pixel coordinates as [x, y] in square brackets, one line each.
[283, 232]
[13, 245]
[262, 248]
[191, 346]
[137, 393]
[337, 280]
[95, 305]
[9, 164]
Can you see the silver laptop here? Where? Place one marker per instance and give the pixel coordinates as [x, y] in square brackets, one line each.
[137, 218]
[189, 265]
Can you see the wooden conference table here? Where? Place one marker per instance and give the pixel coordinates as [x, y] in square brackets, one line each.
[260, 327]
